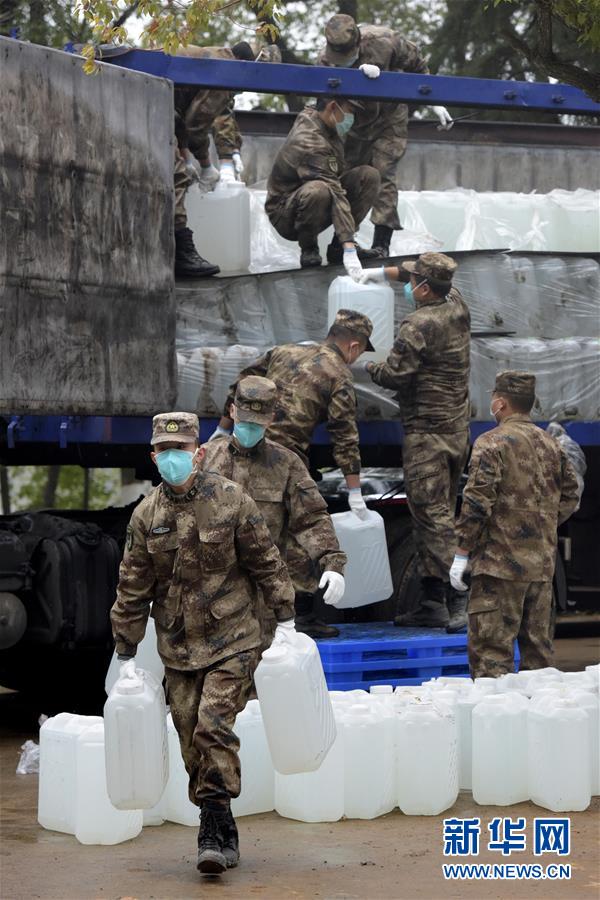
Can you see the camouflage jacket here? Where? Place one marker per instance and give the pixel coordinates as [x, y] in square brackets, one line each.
[286, 496]
[380, 46]
[429, 367]
[198, 558]
[521, 486]
[198, 112]
[312, 152]
[315, 385]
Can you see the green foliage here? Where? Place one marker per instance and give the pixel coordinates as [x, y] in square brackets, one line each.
[582, 16]
[28, 488]
[52, 23]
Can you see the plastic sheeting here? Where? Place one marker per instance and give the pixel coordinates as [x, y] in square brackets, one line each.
[558, 222]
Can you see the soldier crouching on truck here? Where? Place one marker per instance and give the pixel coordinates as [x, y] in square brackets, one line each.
[198, 550]
[278, 481]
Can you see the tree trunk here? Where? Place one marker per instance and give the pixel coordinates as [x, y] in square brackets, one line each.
[4, 491]
[87, 483]
[9, 15]
[51, 486]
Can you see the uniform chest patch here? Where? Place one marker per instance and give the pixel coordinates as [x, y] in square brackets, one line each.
[161, 529]
[333, 164]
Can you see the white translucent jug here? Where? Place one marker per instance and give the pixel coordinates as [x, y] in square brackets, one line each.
[295, 705]
[464, 711]
[146, 658]
[588, 701]
[177, 805]
[73, 796]
[367, 574]
[314, 796]
[427, 769]
[137, 756]
[258, 776]
[369, 762]
[373, 300]
[559, 769]
[499, 746]
[220, 220]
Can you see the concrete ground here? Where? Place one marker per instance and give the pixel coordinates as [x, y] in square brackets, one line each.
[396, 856]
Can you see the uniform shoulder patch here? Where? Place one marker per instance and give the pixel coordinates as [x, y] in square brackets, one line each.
[129, 537]
[333, 164]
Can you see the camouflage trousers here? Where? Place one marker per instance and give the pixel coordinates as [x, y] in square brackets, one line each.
[204, 705]
[306, 212]
[384, 153]
[500, 612]
[433, 464]
[182, 182]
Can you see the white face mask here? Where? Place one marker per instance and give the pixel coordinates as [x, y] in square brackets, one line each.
[492, 413]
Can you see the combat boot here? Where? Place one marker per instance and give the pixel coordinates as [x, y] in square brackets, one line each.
[188, 262]
[335, 252]
[315, 628]
[457, 610]
[310, 258]
[211, 860]
[432, 611]
[231, 841]
[381, 240]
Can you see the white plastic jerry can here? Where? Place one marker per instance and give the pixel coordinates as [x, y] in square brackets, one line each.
[146, 658]
[137, 758]
[258, 776]
[367, 574]
[220, 220]
[427, 768]
[369, 761]
[499, 729]
[558, 730]
[177, 805]
[373, 300]
[295, 705]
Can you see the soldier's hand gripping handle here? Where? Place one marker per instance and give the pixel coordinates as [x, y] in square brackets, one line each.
[457, 573]
[369, 70]
[335, 584]
[352, 263]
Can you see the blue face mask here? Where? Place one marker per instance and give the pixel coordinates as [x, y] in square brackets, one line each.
[175, 466]
[345, 125]
[408, 292]
[249, 433]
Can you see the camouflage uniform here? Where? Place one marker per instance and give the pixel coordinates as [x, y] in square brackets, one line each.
[378, 136]
[521, 487]
[199, 559]
[182, 182]
[287, 497]
[429, 367]
[311, 187]
[314, 385]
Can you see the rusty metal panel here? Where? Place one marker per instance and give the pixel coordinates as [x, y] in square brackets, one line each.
[87, 302]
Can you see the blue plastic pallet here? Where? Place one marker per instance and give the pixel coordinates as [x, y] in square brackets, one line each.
[378, 653]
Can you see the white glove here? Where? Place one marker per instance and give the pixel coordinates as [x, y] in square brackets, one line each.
[376, 275]
[127, 668]
[284, 632]
[335, 584]
[369, 70]
[238, 165]
[457, 571]
[227, 171]
[352, 263]
[444, 116]
[192, 167]
[357, 504]
[209, 176]
[218, 432]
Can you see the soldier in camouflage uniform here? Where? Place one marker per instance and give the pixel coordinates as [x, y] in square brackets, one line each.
[311, 187]
[429, 367]
[287, 497]
[198, 550]
[378, 135]
[521, 487]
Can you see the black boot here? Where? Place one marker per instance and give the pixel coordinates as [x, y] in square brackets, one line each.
[457, 610]
[381, 240]
[432, 611]
[335, 252]
[231, 841]
[211, 860]
[307, 622]
[310, 257]
[188, 262]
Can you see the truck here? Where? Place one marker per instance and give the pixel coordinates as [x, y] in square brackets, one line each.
[96, 335]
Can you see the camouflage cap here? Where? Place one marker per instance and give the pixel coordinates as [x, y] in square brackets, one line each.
[175, 426]
[343, 38]
[435, 267]
[357, 323]
[255, 399]
[517, 384]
